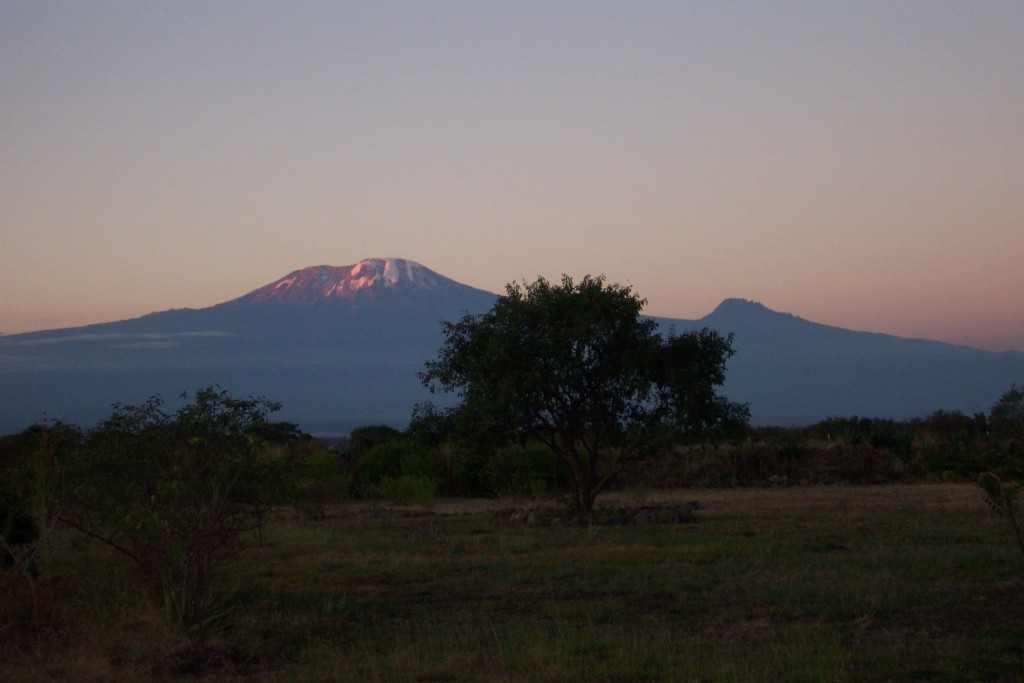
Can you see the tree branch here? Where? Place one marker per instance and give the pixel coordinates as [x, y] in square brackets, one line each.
[109, 541]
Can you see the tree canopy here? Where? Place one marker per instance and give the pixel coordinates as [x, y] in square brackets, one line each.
[1007, 417]
[577, 367]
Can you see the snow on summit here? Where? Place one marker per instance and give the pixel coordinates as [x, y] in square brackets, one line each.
[369, 272]
[366, 278]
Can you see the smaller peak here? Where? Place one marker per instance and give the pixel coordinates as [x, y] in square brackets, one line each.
[738, 305]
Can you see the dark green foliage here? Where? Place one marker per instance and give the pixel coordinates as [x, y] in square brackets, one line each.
[953, 426]
[838, 450]
[17, 526]
[479, 464]
[893, 436]
[880, 433]
[1007, 416]
[280, 433]
[175, 492]
[460, 468]
[409, 488]
[1003, 492]
[398, 470]
[471, 461]
[575, 367]
[362, 439]
[521, 469]
[27, 608]
[970, 452]
[995, 466]
[26, 477]
[430, 427]
[383, 460]
[392, 460]
[321, 476]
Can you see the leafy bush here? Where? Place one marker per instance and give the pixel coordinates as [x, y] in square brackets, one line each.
[518, 470]
[1007, 417]
[382, 460]
[27, 606]
[1004, 495]
[175, 493]
[362, 439]
[394, 459]
[997, 467]
[320, 478]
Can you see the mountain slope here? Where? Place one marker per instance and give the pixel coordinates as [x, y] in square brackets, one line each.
[342, 346]
[337, 346]
[792, 370]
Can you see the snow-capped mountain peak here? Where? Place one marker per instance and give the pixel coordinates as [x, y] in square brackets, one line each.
[366, 278]
[387, 272]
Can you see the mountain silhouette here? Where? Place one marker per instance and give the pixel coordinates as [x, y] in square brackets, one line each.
[341, 347]
[794, 371]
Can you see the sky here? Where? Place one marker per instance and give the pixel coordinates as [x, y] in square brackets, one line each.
[855, 163]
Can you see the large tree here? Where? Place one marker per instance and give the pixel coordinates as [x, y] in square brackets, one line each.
[578, 368]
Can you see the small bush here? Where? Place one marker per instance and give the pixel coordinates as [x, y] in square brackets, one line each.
[380, 461]
[175, 493]
[1007, 416]
[520, 471]
[393, 460]
[321, 478]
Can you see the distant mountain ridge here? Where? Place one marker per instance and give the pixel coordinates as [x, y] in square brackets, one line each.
[341, 346]
[792, 370]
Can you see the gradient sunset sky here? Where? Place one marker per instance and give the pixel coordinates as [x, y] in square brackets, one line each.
[855, 163]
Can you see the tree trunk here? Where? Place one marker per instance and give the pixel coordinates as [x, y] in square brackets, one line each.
[584, 484]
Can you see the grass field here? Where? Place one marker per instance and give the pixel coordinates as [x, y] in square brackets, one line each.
[888, 583]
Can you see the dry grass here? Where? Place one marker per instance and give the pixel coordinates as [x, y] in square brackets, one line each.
[900, 583]
[919, 496]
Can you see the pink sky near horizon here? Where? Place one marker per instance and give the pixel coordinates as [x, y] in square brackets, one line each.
[856, 164]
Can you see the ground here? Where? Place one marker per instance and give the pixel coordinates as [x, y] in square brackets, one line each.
[901, 583]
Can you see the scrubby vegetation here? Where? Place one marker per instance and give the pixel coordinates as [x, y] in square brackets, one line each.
[213, 542]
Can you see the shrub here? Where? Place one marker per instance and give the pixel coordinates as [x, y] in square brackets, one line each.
[1007, 416]
[320, 478]
[409, 488]
[519, 470]
[1004, 495]
[997, 468]
[362, 439]
[393, 459]
[175, 493]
